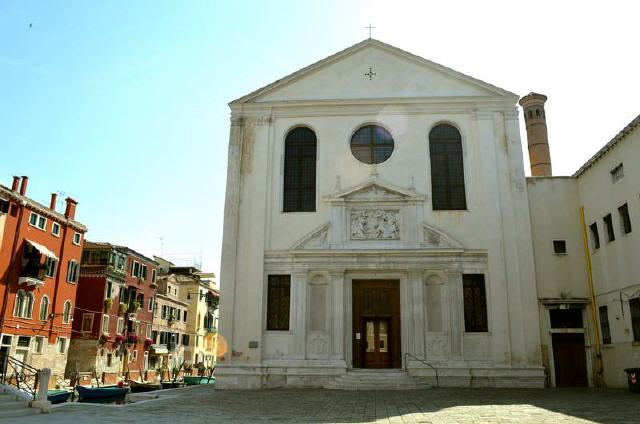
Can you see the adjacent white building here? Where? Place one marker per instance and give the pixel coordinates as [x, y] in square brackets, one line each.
[589, 336]
[377, 217]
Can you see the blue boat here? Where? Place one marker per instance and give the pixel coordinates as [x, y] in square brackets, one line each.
[101, 392]
[58, 396]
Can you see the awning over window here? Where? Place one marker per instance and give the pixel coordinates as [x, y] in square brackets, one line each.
[158, 349]
[43, 250]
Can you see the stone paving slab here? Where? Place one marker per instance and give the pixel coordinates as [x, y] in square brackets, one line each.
[203, 404]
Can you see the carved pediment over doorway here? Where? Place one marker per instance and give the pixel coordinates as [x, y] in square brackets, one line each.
[374, 190]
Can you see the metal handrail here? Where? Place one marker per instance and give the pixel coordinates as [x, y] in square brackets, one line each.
[24, 378]
[424, 362]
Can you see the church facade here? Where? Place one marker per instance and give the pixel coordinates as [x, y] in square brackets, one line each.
[377, 216]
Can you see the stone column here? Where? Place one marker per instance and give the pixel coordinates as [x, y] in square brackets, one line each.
[416, 303]
[456, 310]
[337, 314]
[230, 237]
[299, 309]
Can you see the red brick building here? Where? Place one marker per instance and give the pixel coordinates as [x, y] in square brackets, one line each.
[40, 251]
[113, 313]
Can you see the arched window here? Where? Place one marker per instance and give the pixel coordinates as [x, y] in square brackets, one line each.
[372, 144]
[44, 308]
[538, 113]
[20, 302]
[300, 171]
[28, 306]
[66, 312]
[447, 169]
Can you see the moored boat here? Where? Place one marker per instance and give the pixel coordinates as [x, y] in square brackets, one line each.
[101, 392]
[171, 384]
[58, 396]
[139, 387]
[196, 379]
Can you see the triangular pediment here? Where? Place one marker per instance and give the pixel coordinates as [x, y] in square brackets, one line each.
[437, 239]
[317, 239]
[374, 190]
[373, 70]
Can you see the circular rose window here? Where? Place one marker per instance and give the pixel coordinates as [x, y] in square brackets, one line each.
[372, 144]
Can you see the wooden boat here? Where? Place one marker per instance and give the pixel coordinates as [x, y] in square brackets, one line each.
[139, 387]
[171, 384]
[58, 396]
[101, 392]
[196, 379]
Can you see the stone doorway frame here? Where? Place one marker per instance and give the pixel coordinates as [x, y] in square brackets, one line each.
[349, 278]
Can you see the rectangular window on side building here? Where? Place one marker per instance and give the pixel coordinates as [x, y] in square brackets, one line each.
[608, 223]
[278, 302]
[475, 303]
[595, 237]
[617, 173]
[604, 324]
[55, 229]
[634, 306]
[77, 238]
[560, 247]
[50, 267]
[105, 324]
[87, 323]
[38, 346]
[62, 344]
[625, 219]
[119, 326]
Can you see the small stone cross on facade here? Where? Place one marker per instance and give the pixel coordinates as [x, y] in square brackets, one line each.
[370, 74]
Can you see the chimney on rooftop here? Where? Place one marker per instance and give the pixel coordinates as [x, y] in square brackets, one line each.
[537, 137]
[70, 211]
[23, 186]
[16, 183]
[54, 199]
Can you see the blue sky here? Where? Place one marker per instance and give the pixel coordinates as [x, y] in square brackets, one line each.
[123, 105]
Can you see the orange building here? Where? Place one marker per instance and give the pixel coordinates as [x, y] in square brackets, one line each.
[40, 251]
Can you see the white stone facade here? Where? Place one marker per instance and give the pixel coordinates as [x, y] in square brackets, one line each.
[376, 222]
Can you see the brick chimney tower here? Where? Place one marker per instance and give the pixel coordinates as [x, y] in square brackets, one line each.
[537, 137]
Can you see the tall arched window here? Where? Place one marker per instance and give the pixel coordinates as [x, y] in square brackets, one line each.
[300, 171]
[447, 169]
[28, 306]
[66, 312]
[44, 308]
[20, 302]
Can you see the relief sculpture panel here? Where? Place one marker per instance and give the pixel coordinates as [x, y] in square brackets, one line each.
[374, 224]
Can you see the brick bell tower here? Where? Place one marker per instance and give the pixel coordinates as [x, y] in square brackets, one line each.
[537, 138]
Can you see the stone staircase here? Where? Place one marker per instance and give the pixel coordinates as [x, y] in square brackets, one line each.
[377, 379]
[12, 405]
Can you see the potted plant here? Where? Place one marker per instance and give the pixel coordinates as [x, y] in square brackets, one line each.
[132, 339]
[103, 339]
[133, 307]
[108, 302]
[122, 309]
[147, 343]
[171, 319]
[118, 340]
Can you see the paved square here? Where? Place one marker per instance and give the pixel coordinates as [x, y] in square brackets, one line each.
[202, 404]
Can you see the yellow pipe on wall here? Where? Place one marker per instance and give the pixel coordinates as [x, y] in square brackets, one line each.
[596, 328]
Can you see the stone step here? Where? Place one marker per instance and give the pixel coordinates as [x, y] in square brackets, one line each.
[377, 380]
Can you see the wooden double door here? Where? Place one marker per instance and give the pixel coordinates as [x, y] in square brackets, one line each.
[376, 324]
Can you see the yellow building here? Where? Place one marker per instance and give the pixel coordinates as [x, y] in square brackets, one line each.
[200, 293]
